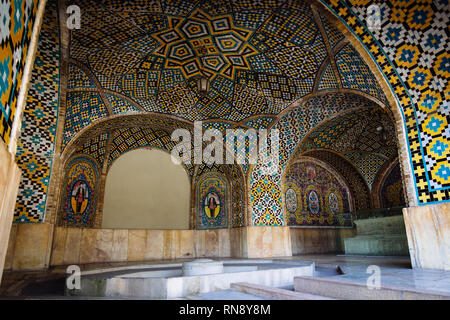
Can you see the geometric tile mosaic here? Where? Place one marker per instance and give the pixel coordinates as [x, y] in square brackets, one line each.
[275, 65]
[82, 109]
[391, 192]
[37, 137]
[328, 79]
[189, 39]
[334, 36]
[96, 148]
[355, 74]
[355, 136]
[16, 25]
[265, 190]
[212, 199]
[78, 78]
[126, 139]
[79, 199]
[411, 48]
[255, 58]
[238, 195]
[120, 106]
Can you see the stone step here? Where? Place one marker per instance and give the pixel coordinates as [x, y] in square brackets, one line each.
[377, 245]
[274, 293]
[383, 225]
[346, 289]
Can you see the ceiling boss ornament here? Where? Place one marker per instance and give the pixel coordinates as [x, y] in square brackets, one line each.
[200, 45]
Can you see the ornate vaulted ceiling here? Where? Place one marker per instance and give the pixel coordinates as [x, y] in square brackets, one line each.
[365, 137]
[260, 56]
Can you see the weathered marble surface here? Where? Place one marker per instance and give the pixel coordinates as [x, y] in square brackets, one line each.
[163, 283]
[428, 231]
[9, 184]
[384, 236]
[36, 247]
[319, 240]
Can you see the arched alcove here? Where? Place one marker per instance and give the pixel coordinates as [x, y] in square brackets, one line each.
[146, 190]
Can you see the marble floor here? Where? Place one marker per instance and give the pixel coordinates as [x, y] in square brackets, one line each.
[394, 271]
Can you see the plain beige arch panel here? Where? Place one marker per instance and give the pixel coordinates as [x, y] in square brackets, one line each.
[146, 190]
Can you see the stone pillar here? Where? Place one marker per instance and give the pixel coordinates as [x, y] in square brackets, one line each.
[9, 186]
[428, 231]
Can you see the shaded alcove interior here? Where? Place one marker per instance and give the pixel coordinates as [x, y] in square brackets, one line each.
[146, 190]
[362, 147]
[110, 78]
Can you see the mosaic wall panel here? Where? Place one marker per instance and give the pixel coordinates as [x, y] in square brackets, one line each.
[314, 197]
[334, 36]
[256, 66]
[328, 79]
[358, 186]
[78, 78]
[204, 168]
[16, 25]
[127, 139]
[265, 189]
[119, 105]
[79, 194]
[256, 60]
[37, 137]
[82, 109]
[411, 49]
[355, 74]
[212, 202]
[391, 193]
[96, 148]
[238, 193]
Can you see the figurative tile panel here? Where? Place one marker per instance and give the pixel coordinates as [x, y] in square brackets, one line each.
[411, 48]
[391, 192]
[314, 197]
[127, 139]
[79, 194]
[358, 186]
[212, 202]
[120, 106]
[36, 143]
[16, 25]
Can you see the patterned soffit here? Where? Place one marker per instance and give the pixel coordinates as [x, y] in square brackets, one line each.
[259, 56]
